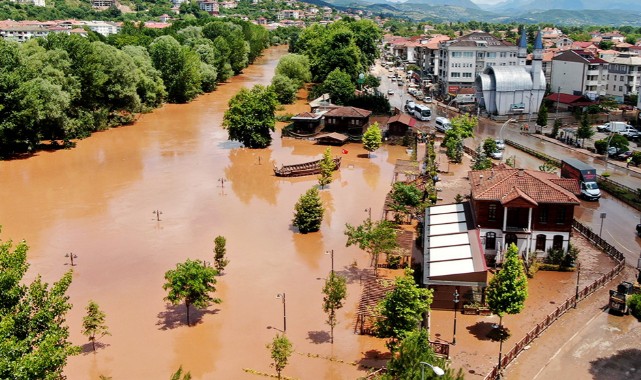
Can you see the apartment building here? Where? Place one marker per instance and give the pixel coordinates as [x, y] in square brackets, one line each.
[624, 76]
[462, 59]
[578, 72]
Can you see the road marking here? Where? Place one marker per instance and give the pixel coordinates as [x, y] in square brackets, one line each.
[618, 242]
[566, 343]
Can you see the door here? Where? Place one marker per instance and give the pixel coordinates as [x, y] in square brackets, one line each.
[509, 239]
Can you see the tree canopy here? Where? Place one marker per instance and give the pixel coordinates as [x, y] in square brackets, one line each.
[334, 293]
[34, 338]
[402, 309]
[308, 212]
[372, 138]
[191, 282]
[280, 349]
[373, 237]
[507, 290]
[250, 118]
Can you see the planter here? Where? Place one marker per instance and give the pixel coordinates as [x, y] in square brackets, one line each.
[470, 310]
[485, 311]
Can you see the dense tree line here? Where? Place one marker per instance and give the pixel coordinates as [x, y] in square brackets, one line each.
[65, 87]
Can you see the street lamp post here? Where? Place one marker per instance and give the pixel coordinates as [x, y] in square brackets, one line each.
[602, 216]
[455, 309]
[282, 297]
[438, 371]
[529, 114]
[331, 252]
[558, 100]
[71, 256]
[369, 213]
[639, 269]
[503, 126]
[578, 275]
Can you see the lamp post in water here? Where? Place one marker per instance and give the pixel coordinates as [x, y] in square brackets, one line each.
[282, 297]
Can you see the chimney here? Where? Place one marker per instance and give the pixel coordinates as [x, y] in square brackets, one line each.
[521, 171]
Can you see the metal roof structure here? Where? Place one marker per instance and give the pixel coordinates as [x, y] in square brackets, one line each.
[453, 254]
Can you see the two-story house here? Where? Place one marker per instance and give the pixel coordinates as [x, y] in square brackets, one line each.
[351, 120]
[529, 208]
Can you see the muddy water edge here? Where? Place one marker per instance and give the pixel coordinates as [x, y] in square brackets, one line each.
[97, 201]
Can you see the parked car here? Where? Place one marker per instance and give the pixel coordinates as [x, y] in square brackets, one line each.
[629, 132]
[612, 151]
[624, 156]
[400, 82]
[427, 99]
[497, 155]
[442, 124]
[390, 92]
[500, 144]
[420, 96]
[409, 105]
[412, 91]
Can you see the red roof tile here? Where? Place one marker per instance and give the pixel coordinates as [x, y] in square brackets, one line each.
[402, 118]
[348, 112]
[533, 186]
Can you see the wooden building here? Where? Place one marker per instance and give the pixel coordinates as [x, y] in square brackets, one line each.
[400, 124]
[306, 123]
[349, 120]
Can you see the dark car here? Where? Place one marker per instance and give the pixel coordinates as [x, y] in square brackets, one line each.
[624, 156]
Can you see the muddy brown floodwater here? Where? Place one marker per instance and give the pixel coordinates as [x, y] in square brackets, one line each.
[97, 201]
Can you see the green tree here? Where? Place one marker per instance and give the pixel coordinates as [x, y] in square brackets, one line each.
[402, 309]
[542, 118]
[296, 68]
[220, 250]
[327, 166]
[250, 117]
[191, 282]
[585, 130]
[33, 333]
[412, 350]
[507, 291]
[339, 86]
[619, 142]
[179, 67]
[489, 146]
[462, 127]
[334, 293]
[548, 167]
[179, 375]
[555, 129]
[373, 237]
[284, 88]
[281, 349]
[308, 214]
[481, 161]
[372, 138]
[93, 324]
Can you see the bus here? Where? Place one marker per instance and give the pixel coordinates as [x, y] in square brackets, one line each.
[423, 113]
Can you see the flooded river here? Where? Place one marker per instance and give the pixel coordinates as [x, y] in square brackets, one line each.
[97, 201]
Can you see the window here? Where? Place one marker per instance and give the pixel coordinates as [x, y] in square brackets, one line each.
[557, 242]
[491, 55]
[503, 54]
[480, 55]
[560, 215]
[490, 240]
[467, 75]
[468, 54]
[540, 242]
[457, 54]
[543, 214]
[620, 88]
[491, 213]
[455, 75]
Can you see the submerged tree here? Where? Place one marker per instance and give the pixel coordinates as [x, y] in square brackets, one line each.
[191, 282]
[34, 338]
[220, 249]
[374, 238]
[93, 324]
[180, 375]
[402, 309]
[280, 349]
[327, 166]
[308, 212]
[250, 118]
[334, 293]
[372, 138]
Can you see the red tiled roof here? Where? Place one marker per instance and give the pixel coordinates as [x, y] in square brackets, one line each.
[505, 185]
[348, 112]
[402, 118]
[574, 100]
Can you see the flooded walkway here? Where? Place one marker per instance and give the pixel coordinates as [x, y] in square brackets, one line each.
[97, 201]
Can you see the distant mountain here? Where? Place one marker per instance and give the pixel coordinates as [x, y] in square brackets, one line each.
[544, 5]
[456, 3]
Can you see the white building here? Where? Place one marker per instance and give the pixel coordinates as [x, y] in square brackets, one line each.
[210, 7]
[624, 76]
[23, 33]
[514, 90]
[462, 59]
[103, 27]
[578, 72]
[289, 14]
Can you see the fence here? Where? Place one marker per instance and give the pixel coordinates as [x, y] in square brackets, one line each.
[537, 154]
[570, 302]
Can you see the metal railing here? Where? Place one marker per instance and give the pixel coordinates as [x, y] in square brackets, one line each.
[570, 302]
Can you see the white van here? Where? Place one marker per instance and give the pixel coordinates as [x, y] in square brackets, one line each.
[423, 113]
[443, 124]
[613, 126]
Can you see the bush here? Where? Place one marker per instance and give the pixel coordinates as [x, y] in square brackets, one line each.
[634, 303]
[600, 146]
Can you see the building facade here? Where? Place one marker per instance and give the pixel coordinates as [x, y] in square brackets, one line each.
[624, 76]
[462, 59]
[578, 72]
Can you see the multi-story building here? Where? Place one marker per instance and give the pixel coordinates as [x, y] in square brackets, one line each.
[578, 72]
[37, 3]
[427, 55]
[624, 76]
[209, 6]
[462, 59]
[289, 14]
[103, 27]
[102, 3]
[23, 33]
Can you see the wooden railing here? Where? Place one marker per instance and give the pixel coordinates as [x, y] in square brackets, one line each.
[570, 302]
